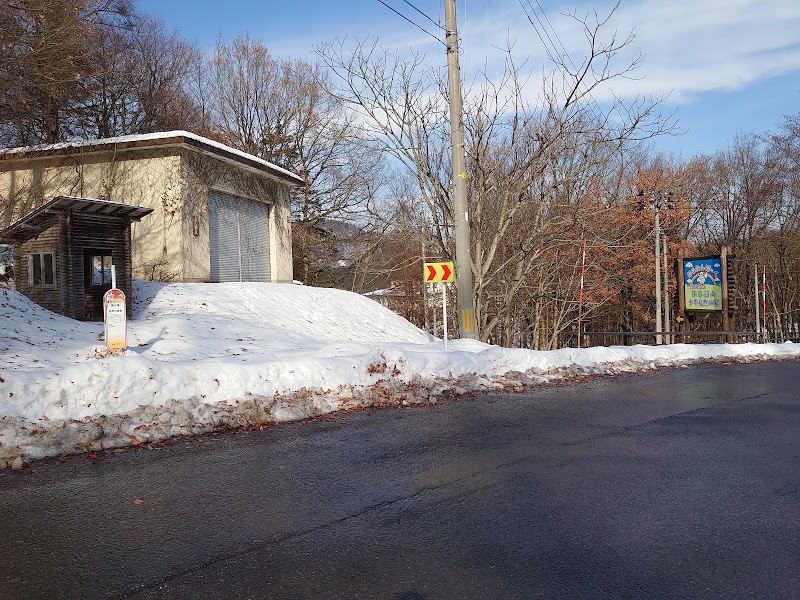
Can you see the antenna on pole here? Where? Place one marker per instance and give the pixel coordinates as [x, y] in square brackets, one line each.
[466, 307]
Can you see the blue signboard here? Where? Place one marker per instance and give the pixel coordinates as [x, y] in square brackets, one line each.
[702, 283]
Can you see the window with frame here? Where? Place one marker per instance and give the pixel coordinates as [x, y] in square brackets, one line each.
[100, 269]
[42, 270]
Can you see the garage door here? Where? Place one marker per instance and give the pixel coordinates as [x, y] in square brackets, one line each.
[238, 238]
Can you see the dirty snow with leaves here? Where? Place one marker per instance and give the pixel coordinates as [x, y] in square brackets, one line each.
[203, 357]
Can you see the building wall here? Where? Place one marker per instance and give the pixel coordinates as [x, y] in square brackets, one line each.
[280, 235]
[143, 177]
[201, 173]
[170, 244]
[50, 240]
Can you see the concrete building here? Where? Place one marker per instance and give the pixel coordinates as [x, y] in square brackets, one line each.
[218, 214]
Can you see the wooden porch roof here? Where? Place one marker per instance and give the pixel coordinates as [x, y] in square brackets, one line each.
[47, 215]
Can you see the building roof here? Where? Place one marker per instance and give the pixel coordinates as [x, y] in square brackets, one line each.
[47, 215]
[154, 140]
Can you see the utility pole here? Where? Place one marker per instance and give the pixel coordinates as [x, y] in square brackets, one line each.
[656, 208]
[656, 200]
[580, 294]
[466, 307]
[758, 316]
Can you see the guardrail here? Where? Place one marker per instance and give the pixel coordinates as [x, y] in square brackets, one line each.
[629, 338]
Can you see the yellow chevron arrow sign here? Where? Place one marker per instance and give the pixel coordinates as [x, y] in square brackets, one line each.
[438, 272]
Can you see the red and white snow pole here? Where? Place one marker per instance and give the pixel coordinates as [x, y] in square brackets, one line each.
[764, 299]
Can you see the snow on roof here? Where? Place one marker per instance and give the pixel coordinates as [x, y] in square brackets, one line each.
[166, 138]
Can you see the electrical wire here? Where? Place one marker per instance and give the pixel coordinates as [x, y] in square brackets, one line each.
[536, 29]
[439, 25]
[553, 29]
[593, 107]
[412, 22]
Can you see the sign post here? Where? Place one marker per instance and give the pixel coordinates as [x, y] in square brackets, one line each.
[115, 316]
[444, 312]
[442, 273]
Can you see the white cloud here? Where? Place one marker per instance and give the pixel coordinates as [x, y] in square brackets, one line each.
[688, 48]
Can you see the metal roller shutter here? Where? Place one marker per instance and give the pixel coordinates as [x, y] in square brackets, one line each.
[238, 238]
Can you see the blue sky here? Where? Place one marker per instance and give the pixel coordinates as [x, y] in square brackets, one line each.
[729, 66]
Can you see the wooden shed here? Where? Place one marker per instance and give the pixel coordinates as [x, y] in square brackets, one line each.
[64, 250]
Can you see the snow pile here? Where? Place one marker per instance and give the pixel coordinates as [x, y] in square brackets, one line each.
[208, 356]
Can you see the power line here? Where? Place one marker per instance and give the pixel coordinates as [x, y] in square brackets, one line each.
[439, 25]
[553, 29]
[412, 22]
[593, 107]
[536, 29]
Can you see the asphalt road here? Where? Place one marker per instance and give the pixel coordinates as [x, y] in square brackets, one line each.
[679, 484]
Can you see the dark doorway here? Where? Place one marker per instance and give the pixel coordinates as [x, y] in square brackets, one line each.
[96, 281]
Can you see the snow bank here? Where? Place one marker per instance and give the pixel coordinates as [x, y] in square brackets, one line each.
[210, 356]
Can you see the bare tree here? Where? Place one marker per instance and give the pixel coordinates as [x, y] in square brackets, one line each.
[527, 163]
[744, 194]
[46, 59]
[143, 82]
[281, 111]
[781, 249]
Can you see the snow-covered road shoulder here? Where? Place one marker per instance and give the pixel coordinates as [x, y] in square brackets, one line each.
[203, 357]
